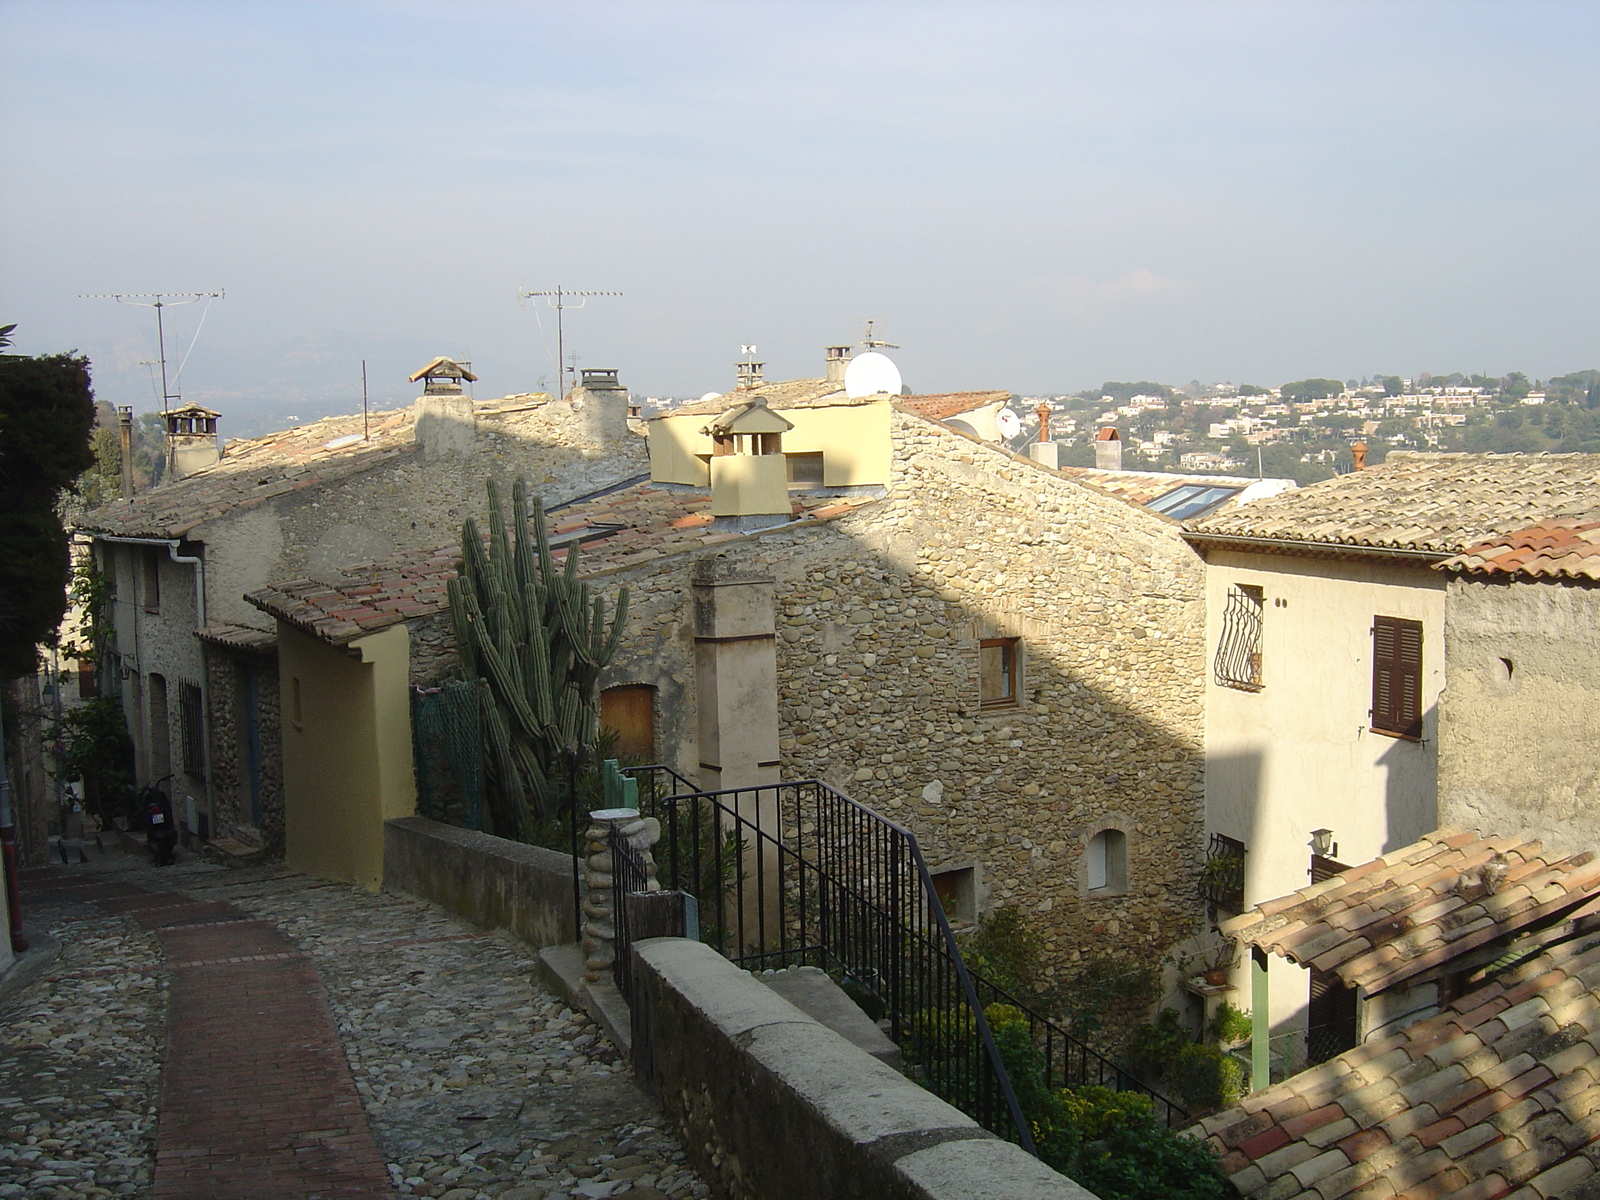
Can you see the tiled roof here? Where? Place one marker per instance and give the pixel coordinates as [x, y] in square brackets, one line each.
[239, 637]
[784, 393]
[1497, 1095]
[616, 530]
[1552, 549]
[1390, 919]
[253, 471]
[943, 405]
[1432, 503]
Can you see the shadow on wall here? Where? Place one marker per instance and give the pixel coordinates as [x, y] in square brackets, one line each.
[1411, 784]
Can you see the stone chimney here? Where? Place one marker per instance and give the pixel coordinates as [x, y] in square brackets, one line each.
[1044, 451]
[1358, 455]
[125, 439]
[602, 407]
[191, 439]
[748, 374]
[838, 358]
[736, 675]
[1108, 449]
[445, 423]
[749, 473]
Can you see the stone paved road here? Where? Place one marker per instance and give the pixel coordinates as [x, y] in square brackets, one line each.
[475, 1083]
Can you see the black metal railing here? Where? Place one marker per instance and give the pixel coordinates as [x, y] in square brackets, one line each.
[800, 874]
[628, 877]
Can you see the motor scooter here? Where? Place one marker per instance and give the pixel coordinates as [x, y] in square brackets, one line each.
[161, 829]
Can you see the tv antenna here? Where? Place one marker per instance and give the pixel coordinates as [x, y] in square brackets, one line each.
[872, 343]
[561, 299]
[159, 301]
[749, 353]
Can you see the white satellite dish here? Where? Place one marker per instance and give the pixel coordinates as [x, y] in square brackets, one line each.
[870, 374]
[1007, 422]
[710, 396]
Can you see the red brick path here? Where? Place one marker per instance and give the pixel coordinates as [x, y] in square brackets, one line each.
[257, 1100]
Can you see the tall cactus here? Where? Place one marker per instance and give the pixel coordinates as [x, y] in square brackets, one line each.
[530, 634]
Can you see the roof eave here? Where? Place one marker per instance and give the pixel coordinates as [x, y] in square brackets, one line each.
[1202, 539]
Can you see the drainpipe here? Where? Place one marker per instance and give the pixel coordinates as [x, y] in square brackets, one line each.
[198, 563]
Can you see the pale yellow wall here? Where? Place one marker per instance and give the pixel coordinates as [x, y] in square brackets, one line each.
[749, 485]
[853, 439]
[1299, 754]
[346, 751]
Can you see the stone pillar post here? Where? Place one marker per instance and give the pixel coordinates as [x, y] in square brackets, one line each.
[736, 675]
[445, 425]
[599, 931]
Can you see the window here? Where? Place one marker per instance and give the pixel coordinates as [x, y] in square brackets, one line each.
[1397, 677]
[956, 890]
[1238, 663]
[805, 470]
[1222, 877]
[194, 729]
[88, 685]
[1191, 500]
[152, 580]
[1108, 861]
[296, 714]
[999, 672]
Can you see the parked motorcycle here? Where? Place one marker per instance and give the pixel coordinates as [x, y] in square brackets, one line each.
[161, 827]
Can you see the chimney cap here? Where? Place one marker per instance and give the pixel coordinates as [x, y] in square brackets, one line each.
[1108, 434]
[753, 416]
[445, 368]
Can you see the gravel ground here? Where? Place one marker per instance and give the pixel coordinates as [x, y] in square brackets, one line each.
[80, 1061]
[476, 1082]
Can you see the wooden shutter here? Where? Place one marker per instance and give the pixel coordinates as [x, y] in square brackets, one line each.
[1397, 676]
[631, 711]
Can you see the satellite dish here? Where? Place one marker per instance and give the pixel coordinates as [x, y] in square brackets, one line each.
[871, 374]
[710, 396]
[1008, 424]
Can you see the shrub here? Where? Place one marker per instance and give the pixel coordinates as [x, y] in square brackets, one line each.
[1112, 1143]
[1203, 1075]
[1154, 1047]
[1229, 1025]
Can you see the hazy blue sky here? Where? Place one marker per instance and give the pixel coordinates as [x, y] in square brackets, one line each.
[1030, 196]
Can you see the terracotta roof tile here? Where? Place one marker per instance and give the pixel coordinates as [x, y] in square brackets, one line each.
[944, 405]
[634, 525]
[1551, 549]
[1447, 504]
[1458, 1117]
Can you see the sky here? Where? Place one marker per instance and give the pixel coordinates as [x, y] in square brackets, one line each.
[1037, 197]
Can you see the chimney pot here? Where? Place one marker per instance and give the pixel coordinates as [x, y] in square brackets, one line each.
[838, 358]
[1108, 449]
[1358, 453]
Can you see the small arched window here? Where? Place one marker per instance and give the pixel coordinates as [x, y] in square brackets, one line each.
[1108, 861]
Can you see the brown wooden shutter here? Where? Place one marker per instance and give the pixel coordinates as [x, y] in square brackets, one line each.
[630, 710]
[1397, 676]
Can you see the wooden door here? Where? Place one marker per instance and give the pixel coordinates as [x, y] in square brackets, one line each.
[630, 710]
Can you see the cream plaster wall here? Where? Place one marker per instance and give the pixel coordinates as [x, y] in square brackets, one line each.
[853, 439]
[1299, 754]
[346, 751]
[1519, 735]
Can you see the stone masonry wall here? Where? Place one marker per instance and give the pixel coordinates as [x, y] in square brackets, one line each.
[879, 614]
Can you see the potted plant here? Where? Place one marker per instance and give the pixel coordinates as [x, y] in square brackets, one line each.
[1216, 962]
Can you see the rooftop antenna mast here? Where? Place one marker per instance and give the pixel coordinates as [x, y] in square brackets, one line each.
[561, 299]
[872, 343]
[159, 301]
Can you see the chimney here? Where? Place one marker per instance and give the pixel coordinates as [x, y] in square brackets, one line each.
[1108, 450]
[602, 406]
[749, 472]
[1358, 454]
[1044, 451]
[125, 434]
[838, 358]
[191, 439]
[445, 423]
[748, 375]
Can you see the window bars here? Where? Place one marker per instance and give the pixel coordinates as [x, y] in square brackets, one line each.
[1238, 663]
[1222, 877]
[193, 728]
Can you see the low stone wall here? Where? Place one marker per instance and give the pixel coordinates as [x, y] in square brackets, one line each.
[490, 881]
[772, 1105]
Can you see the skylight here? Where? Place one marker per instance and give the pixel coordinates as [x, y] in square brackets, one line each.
[1192, 499]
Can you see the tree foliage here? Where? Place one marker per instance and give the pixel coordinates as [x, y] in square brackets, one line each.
[46, 414]
[1311, 389]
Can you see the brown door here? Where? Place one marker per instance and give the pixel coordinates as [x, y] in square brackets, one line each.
[631, 711]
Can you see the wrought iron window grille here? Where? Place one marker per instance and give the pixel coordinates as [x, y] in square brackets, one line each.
[1238, 662]
[1222, 876]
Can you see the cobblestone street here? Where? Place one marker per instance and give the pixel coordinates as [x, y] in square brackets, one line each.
[474, 1082]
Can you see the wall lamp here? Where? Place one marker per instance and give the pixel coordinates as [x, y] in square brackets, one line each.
[1322, 842]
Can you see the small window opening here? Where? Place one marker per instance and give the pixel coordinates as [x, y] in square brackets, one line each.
[1108, 861]
[956, 891]
[805, 470]
[1507, 669]
[152, 581]
[999, 672]
[296, 716]
[193, 729]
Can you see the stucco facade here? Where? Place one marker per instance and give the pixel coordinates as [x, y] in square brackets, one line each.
[1519, 734]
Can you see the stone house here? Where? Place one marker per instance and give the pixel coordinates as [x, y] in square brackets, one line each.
[1519, 725]
[196, 665]
[1006, 658]
[1327, 656]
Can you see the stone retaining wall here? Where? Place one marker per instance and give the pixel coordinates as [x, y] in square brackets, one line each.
[771, 1105]
[491, 881]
